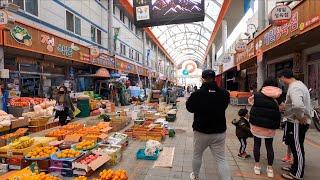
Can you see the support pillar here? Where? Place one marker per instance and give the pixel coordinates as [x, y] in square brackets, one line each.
[213, 55]
[110, 28]
[224, 36]
[3, 96]
[1, 58]
[261, 69]
[208, 61]
[144, 48]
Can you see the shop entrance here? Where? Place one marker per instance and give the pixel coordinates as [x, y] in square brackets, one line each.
[314, 78]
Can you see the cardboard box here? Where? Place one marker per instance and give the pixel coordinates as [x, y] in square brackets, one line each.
[93, 165]
[16, 123]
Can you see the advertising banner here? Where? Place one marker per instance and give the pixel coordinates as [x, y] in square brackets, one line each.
[149, 13]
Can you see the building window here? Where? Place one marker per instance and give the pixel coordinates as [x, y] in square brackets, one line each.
[93, 34]
[122, 49]
[96, 35]
[137, 56]
[131, 53]
[122, 16]
[130, 25]
[99, 36]
[70, 21]
[114, 8]
[30, 6]
[73, 23]
[77, 25]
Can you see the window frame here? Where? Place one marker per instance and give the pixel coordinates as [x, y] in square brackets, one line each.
[130, 25]
[25, 7]
[99, 41]
[122, 16]
[76, 17]
[123, 49]
[95, 33]
[73, 22]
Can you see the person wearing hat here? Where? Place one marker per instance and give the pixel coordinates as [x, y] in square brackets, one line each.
[297, 111]
[208, 104]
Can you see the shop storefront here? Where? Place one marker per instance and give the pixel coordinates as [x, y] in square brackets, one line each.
[283, 46]
[247, 68]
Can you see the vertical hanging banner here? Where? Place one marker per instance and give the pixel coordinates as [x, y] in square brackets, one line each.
[149, 13]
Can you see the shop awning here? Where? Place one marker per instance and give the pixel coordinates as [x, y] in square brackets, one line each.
[102, 72]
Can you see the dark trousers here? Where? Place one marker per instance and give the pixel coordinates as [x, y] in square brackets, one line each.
[243, 145]
[63, 115]
[269, 148]
[295, 136]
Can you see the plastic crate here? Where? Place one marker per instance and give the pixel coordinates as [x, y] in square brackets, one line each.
[141, 155]
[61, 164]
[63, 171]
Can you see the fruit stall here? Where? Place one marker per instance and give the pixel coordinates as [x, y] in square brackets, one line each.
[78, 150]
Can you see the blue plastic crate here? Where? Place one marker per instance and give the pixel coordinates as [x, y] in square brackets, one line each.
[141, 155]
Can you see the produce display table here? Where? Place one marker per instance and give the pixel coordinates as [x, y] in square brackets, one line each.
[79, 149]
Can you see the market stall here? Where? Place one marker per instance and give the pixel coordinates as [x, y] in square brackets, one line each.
[80, 149]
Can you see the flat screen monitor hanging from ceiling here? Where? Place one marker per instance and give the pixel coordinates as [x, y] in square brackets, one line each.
[149, 13]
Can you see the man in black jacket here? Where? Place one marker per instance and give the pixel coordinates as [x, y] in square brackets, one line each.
[209, 104]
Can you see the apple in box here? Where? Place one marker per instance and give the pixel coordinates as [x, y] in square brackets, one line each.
[89, 159]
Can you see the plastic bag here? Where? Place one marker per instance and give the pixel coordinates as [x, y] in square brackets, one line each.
[153, 143]
[76, 111]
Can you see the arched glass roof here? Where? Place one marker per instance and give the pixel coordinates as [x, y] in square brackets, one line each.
[189, 41]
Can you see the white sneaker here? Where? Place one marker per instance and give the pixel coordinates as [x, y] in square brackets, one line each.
[257, 170]
[270, 173]
[193, 177]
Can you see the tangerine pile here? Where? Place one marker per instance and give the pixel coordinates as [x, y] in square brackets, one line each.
[113, 175]
[41, 176]
[68, 153]
[81, 178]
[42, 152]
[85, 145]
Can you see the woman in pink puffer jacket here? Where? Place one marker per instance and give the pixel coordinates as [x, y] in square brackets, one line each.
[265, 119]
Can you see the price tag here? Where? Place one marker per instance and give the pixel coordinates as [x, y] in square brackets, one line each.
[9, 153]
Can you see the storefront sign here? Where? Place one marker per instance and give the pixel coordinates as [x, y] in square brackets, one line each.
[94, 52]
[3, 18]
[65, 50]
[226, 58]
[308, 23]
[84, 57]
[30, 38]
[247, 54]
[280, 15]
[303, 19]
[21, 36]
[49, 41]
[104, 61]
[240, 46]
[277, 32]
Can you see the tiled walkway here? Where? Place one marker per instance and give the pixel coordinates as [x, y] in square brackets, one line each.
[241, 169]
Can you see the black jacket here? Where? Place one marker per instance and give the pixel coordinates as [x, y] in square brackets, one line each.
[265, 112]
[208, 105]
[242, 128]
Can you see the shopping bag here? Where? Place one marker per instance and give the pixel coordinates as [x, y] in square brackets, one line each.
[76, 112]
